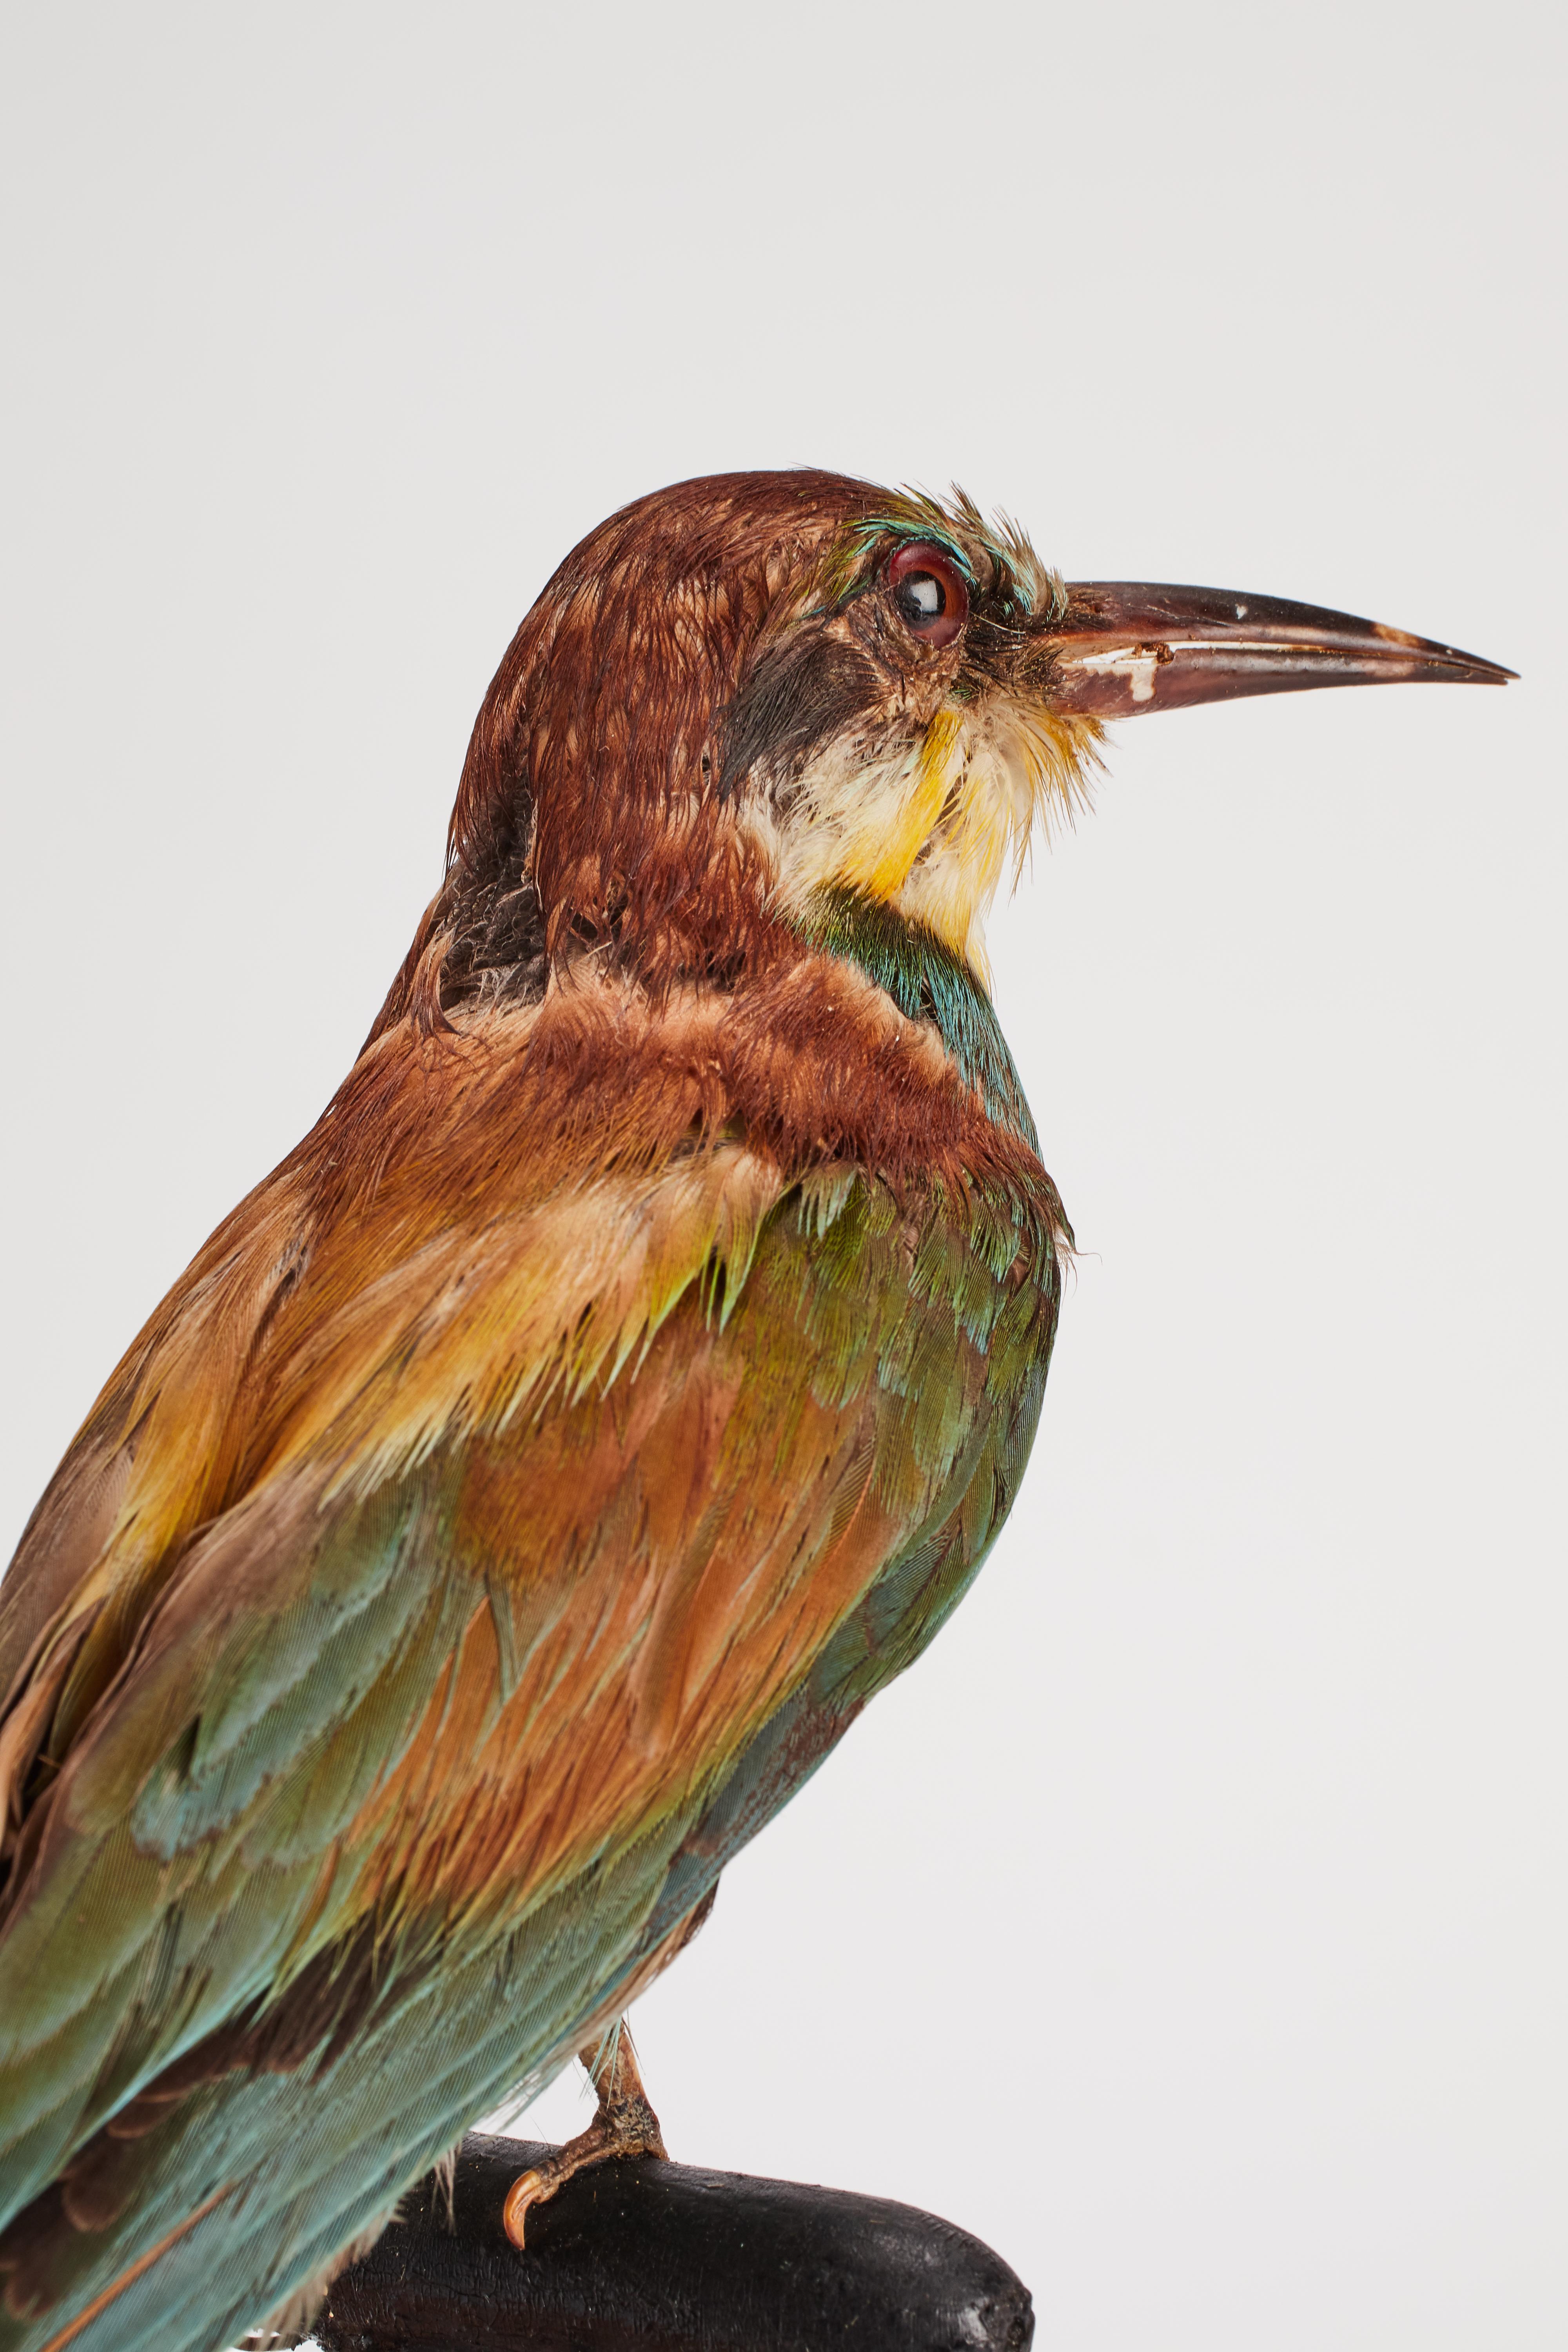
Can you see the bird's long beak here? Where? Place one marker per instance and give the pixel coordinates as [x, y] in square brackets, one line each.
[1124, 648]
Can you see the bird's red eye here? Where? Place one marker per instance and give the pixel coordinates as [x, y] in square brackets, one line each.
[930, 593]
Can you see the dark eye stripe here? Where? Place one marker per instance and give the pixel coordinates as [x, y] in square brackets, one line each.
[795, 698]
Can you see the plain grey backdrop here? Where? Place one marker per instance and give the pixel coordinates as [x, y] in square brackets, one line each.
[1191, 1923]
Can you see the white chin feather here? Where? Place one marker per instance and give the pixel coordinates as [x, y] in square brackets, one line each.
[927, 826]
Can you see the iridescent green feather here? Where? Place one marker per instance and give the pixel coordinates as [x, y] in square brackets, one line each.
[203, 1819]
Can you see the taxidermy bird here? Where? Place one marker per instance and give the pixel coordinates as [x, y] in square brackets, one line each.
[531, 1480]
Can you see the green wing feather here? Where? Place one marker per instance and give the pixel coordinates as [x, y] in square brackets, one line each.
[251, 1981]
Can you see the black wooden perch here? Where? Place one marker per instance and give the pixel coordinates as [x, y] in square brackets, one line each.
[640, 2256]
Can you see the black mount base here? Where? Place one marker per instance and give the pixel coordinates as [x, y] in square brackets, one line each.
[648, 2257]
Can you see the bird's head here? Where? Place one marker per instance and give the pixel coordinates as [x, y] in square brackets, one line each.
[745, 702]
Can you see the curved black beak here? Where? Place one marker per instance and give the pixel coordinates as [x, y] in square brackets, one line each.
[1123, 648]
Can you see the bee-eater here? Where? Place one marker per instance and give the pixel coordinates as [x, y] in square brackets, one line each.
[530, 1481]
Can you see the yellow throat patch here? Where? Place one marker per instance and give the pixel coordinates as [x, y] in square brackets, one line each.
[928, 828]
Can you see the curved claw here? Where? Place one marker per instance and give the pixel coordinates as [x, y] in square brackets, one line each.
[531, 2187]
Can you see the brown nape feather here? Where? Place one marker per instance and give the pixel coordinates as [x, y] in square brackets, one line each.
[812, 1065]
[590, 814]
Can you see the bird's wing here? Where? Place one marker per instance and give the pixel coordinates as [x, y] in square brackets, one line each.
[552, 1549]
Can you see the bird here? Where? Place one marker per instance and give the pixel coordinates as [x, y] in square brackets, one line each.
[531, 1480]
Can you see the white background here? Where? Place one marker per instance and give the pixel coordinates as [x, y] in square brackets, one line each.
[1192, 1922]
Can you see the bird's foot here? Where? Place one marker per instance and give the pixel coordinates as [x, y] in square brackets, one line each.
[624, 2124]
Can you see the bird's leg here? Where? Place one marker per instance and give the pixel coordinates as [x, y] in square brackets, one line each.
[624, 2124]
